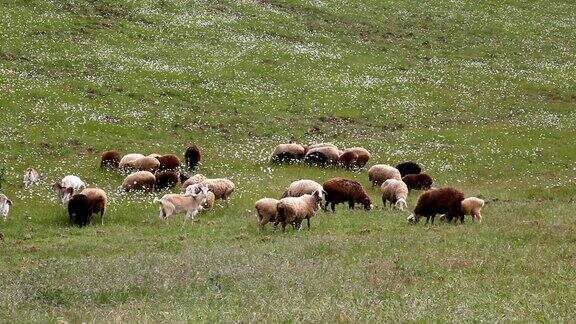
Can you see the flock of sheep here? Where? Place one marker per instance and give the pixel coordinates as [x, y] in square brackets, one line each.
[300, 201]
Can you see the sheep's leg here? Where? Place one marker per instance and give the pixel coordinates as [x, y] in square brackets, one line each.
[333, 206]
[427, 219]
[283, 227]
[433, 216]
[308, 220]
[351, 204]
[102, 216]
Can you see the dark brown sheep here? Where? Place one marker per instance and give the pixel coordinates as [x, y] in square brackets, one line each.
[445, 200]
[339, 190]
[408, 168]
[418, 181]
[110, 159]
[166, 179]
[192, 156]
[168, 162]
[348, 160]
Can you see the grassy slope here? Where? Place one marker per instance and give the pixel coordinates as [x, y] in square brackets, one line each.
[483, 95]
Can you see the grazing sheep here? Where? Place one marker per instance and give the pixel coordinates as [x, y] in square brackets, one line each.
[348, 159]
[396, 192]
[418, 181]
[69, 185]
[290, 152]
[323, 155]
[379, 173]
[473, 206]
[445, 200]
[154, 155]
[267, 210]
[129, 158]
[110, 159]
[192, 156]
[408, 168]
[190, 202]
[313, 146]
[166, 180]
[222, 188]
[5, 205]
[362, 156]
[81, 206]
[168, 162]
[209, 200]
[141, 180]
[195, 179]
[339, 190]
[302, 187]
[31, 177]
[293, 210]
[146, 163]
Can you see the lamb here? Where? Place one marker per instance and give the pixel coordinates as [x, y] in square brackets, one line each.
[146, 163]
[5, 205]
[81, 206]
[293, 210]
[323, 155]
[418, 181]
[129, 158]
[222, 188]
[166, 180]
[408, 168]
[348, 159]
[267, 210]
[379, 173]
[141, 180]
[362, 156]
[290, 152]
[302, 187]
[69, 185]
[192, 156]
[168, 162]
[195, 179]
[445, 200]
[31, 177]
[110, 159]
[473, 206]
[190, 202]
[395, 192]
[339, 190]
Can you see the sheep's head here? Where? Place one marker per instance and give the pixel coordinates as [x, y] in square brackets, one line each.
[67, 194]
[401, 204]
[367, 203]
[196, 191]
[413, 219]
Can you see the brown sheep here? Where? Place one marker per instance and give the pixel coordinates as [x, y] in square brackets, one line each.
[445, 200]
[192, 156]
[81, 206]
[168, 162]
[406, 168]
[323, 155]
[166, 180]
[141, 180]
[418, 181]
[339, 190]
[110, 159]
[267, 210]
[362, 156]
[348, 160]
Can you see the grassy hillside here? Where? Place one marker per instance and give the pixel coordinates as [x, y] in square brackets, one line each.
[481, 93]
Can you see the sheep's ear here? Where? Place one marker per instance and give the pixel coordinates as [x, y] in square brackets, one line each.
[69, 190]
[56, 186]
[9, 202]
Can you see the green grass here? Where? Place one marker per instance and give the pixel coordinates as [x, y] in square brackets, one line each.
[482, 94]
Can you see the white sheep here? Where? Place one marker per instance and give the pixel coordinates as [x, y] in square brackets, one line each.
[287, 152]
[68, 186]
[221, 187]
[293, 210]
[5, 204]
[302, 187]
[141, 180]
[31, 177]
[190, 202]
[395, 192]
[379, 173]
[129, 158]
[267, 210]
[322, 155]
[473, 206]
[195, 179]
